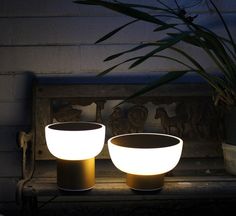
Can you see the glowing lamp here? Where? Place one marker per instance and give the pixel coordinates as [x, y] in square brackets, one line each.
[75, 145]
[145, 157]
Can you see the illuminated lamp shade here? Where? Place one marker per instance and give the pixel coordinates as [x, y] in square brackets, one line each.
[75, 145]
[145, 157]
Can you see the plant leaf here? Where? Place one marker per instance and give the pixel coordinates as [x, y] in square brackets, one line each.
[110, 34]
[124, 9]
[224, 23]
[115, 66]
[167, 43]
[175, 60]
[130, 50]
[164, 27]
[170, 76]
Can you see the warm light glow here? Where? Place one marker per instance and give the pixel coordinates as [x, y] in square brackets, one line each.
[145, 153]
[75, 140]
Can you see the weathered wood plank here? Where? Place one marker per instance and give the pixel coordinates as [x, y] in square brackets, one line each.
[195, 207]
[87, 60]
[86, 30]
[6, 92]
[68, 8]
[42, 118]
[14, 113]
[70, 31]
[184, 183]
[52, 59]
[43, 8]
[206, 167]
[8, 137]
[118, 91]
[7, 189]
[110, 94]
[9, 208]
[76, 94]
[10, 164]
[186, 188]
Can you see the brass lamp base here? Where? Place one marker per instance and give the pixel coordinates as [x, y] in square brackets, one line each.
[145, 182]
[76, 175]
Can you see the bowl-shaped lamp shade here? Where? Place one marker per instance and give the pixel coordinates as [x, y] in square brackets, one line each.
[145, 154]
[75, 140]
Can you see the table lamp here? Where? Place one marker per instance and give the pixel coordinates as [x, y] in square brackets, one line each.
[75, 145]
[145, 157]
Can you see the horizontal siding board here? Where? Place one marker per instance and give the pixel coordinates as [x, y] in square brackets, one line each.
[13, 8]
[70, 30]
[10, 164]
[8, 137]
[6, 88]
[22, 87]
[86, 30]
[40, 59]
[15, 113]
[15, 87]
[92, 60]
[7, 192]
[84, 60]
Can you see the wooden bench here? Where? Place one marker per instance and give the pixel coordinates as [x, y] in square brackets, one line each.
[199, 176]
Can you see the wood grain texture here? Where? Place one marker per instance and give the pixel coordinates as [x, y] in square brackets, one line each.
[7, 189]
[12, 8]
[42, 118]
[8, 137]
[10, 164]
[184, 182]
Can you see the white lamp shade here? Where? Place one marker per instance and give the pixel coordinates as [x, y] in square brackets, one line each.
[75, 140]
[145, 153]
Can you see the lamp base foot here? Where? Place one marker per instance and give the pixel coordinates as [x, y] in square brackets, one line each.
[74, 190]
[76, 175]
[145, 182]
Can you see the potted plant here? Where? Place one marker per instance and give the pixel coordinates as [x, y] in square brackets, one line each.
[182, 28]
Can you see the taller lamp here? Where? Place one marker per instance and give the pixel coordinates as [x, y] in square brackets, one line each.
[75, 145]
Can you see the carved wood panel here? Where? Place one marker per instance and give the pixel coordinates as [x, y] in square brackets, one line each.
[193, 118]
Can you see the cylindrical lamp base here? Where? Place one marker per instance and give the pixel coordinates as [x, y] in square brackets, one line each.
[76, 175]
[145, 182]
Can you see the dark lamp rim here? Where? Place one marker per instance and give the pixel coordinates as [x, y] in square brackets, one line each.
[75, 126]
[145, 140]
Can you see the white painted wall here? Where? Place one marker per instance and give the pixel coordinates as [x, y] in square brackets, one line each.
[56, 37]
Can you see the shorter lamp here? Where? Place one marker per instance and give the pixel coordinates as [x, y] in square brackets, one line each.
[145, 157]
[75, 145]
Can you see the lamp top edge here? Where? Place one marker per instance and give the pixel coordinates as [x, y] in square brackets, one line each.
[75, 126]
[148, 141]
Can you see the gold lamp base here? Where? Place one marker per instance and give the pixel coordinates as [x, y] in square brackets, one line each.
[76, 175]
[145, 182]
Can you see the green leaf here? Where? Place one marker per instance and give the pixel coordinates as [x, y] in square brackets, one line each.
[175, 60]
[167, 43]
[164, 27]
[212, 80]
[115, 66]
[224, 23]
[145, 6]
[110, 34]
[130, 50]
[170, 76]
[217, 52]
[188, 39]
[124, 9]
